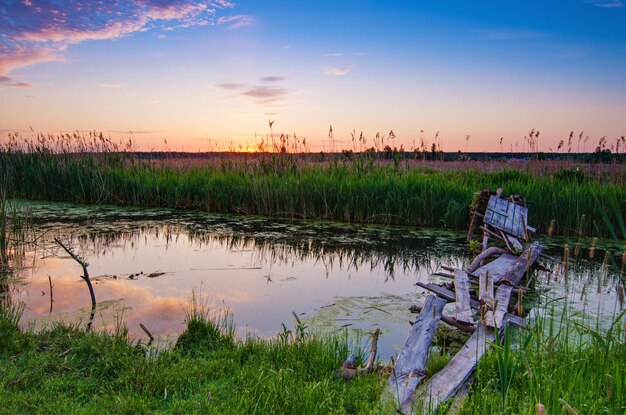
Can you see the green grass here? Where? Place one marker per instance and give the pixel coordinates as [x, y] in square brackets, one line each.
[558, 361]
[359, 190]
[64, 370]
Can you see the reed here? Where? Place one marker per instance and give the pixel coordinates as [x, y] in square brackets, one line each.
[362, 189]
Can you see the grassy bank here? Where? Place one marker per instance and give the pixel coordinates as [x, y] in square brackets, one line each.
[360, 190]
[557, 363]
[65, 370]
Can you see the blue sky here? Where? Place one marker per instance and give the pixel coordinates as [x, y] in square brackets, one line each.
[211, 74]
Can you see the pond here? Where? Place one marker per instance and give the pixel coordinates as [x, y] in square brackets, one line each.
[147, 264]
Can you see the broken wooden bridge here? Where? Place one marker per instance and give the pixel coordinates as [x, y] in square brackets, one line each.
[481, 294]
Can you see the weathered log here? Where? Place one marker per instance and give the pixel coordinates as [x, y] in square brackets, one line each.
[522, 265]
[410, 366]
[373, 351]
[482, 256]
[463, 311]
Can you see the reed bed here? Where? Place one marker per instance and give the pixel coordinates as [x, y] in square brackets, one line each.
[361, 189]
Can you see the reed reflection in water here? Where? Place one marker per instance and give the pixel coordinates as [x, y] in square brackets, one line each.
[145, 271]
[146, 264]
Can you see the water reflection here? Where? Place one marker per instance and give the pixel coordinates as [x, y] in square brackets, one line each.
[145, 264]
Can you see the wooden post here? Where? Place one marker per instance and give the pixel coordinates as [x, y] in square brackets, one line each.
[463, 311]
[485, 288]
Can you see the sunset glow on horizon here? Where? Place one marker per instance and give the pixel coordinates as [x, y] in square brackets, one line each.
[186, 75]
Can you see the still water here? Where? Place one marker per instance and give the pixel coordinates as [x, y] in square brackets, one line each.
[146, 264]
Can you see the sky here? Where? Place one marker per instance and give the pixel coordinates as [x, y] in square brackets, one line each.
[210, 75]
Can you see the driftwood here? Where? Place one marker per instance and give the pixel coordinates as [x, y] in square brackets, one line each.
[410, 367]
[145, 330]
[85, 277]
[483, 256]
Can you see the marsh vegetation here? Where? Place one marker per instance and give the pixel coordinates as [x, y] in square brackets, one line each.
[569, 359]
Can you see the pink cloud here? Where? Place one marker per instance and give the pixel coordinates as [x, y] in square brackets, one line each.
[40, 31]
[338, 71]
[265, 93]
[261, 94]
[5, 81]
[21, 56]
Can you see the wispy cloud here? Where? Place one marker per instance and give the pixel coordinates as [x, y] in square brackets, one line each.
[334, 54]
[231, 86]
[110, 85]
[265, 94]
[268, 93]
[41, 31]
[607, 4]
[235, 22]
[337, 71]
[5, 81]
[272, 79]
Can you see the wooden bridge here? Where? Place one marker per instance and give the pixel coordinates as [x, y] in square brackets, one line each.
[481, 294]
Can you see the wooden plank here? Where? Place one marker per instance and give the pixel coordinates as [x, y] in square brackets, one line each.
[445, 383]
[485, 288]
[506, 215]
[462, 310]
[444, 293]
[410, 366]
[495, 318]
[498, 267]
[476, 305]
[522, 264]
